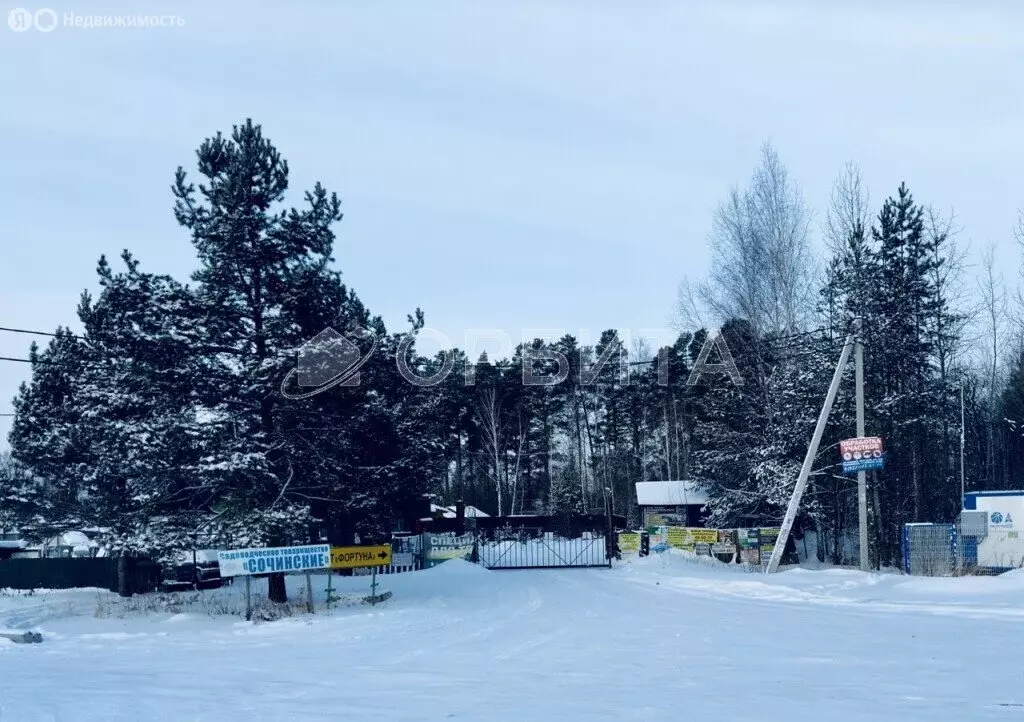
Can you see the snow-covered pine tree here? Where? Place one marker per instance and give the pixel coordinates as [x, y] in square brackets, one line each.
[542, 402]
[21, 502]
[729, 428]
[141, 399]
[566, 495]
[1011, 410]
[45, 437]
[254, 255]
[897, 359]
[606, 386]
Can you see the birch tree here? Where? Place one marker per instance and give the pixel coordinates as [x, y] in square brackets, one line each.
[762, 268]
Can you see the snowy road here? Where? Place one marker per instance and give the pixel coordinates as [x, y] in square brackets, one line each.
[664, 638]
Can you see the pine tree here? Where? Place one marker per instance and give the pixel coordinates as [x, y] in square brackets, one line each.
[254, 259]
[898, 282]
[1011, 411]
[142, 397]
[729, 431]
[900, 350]
[45, 437]
[21, 501]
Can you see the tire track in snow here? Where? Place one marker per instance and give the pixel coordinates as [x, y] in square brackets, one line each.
[27, 618]
[477, 627]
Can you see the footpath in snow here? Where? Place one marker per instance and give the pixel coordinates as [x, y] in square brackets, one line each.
[661, 638]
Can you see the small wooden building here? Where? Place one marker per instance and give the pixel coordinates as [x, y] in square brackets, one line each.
[671, 503]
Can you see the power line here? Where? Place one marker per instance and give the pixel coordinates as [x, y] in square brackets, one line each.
[791, 348]
[767, 337]
[35, 333]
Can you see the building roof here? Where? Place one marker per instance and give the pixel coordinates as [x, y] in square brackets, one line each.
[669, 493]
[471, 511]
[448, 512]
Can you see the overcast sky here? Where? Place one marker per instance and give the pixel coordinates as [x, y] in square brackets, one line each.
[512, 165]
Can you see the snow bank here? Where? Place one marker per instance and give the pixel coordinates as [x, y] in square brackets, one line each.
[643, 640]
[455, 568]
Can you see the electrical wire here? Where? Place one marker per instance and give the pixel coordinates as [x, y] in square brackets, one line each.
[35, 333]
[771, 346]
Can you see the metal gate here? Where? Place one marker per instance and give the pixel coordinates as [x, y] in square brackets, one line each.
[929, 549]
[526, 548]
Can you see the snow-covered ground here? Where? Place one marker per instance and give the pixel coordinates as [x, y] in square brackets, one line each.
[661, 638]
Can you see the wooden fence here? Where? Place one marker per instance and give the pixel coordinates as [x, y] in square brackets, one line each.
[75, 573]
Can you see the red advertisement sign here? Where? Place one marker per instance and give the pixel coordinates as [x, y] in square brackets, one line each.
[865, 447]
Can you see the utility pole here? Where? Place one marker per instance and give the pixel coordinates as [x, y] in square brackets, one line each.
[812, 451]
[963, 440]
[862, 483]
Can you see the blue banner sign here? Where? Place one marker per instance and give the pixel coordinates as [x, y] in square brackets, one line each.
[240, 562]
[863, 465]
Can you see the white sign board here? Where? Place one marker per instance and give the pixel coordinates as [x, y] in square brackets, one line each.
[1003, 546]
[239, 562]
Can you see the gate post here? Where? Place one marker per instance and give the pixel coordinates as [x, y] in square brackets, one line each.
[610, 540]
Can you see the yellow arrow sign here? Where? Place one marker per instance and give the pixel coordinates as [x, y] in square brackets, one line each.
[352, 557]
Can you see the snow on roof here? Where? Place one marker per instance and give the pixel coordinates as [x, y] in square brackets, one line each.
[448, 512]
[74, 539]
[203, 556]
[669, 493]
[471, 511]
[12, 543]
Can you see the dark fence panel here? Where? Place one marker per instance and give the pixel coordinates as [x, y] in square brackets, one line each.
[75, 573]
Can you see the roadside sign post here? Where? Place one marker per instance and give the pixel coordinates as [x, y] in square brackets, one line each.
[309, 592]
[863, 453]
[361, 557]
[812, 450]
[860, 455]
[268, 560]
[862, 484]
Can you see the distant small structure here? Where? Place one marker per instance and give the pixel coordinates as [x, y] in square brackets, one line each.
[452, 512]
[78, 544]
[991, 530]
[671, 503]
[11, 544]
